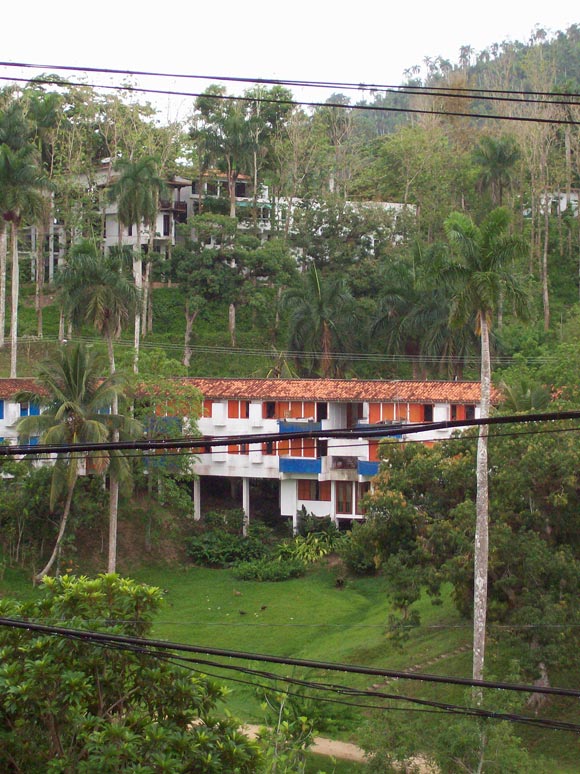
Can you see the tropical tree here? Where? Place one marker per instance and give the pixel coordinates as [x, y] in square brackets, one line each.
[78, 706]
[21, 199]
[98, 291]
[137, 191]
[227, 135]
[481, 275]
[497, 159]
[74, 400]
[321, 313]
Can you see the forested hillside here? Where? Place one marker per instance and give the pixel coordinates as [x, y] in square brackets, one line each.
[309, 272]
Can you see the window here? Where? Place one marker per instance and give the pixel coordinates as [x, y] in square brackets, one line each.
[344, 496]
[321, 411]
[238, 409]
[453, 414]
[313, 490]
[269, 411]
[130, 230]
[1, 409]
[166, 225]
[29, 409]
[269, 448]
[428, 413]
[470, 412]
[362, 489]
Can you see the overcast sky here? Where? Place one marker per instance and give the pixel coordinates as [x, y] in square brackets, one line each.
[356, 42]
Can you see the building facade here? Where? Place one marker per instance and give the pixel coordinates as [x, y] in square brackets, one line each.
[324, 475]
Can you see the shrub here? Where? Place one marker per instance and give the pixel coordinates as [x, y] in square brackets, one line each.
[222, 549]
[269, 570]
[310, 548]
[360, 550]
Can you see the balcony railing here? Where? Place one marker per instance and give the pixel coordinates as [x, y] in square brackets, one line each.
[300, 465]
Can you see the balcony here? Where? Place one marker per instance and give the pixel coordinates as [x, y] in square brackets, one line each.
[298, 425]
[300, 465]
[165, 204]
[344, 463]
[367, 468]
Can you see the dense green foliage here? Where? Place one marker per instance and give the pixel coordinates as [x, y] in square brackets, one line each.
[73, 706]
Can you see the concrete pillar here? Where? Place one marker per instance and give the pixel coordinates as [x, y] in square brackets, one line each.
[246, 503]
[197, 499]
[333, 502]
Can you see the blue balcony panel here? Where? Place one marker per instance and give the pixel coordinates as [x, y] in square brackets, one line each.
[293, 426]
[300, 465]
[366, 468]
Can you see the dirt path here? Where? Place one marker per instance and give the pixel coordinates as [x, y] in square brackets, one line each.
[322, 746]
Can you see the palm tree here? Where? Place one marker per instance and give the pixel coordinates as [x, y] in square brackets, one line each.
[137, 191]
[73, 398]
[481, 275]
[321, 313]
[413, 316]
[496, 158]
[97, 291]
[21, 185]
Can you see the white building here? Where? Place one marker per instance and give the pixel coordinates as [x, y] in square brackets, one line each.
[328, 476]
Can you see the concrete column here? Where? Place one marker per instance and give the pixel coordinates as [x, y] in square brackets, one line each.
[246, 503]
[333, 502]
[197, 499]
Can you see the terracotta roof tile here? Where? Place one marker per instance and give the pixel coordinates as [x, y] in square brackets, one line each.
[9, 387]
[345, 390]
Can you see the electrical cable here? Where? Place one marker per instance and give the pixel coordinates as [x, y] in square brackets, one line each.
[162, 645]
[231, 440]
[447, 91]
[306, 103]
[161, 650]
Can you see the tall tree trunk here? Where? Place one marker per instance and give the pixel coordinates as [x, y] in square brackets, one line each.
[189, 320]
[138, 277]
[3, 251]
[232, 323]
[544, 270]
[481, 549]
[15, 292]
[113, 492]
[39, 285]
[61, 529]
[113, 516]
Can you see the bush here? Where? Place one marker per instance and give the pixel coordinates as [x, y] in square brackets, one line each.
[269, 570]
[222, 549]
[360, 549]
[310, 548]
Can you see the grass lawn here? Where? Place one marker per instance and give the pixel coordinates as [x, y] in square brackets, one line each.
[311, 618]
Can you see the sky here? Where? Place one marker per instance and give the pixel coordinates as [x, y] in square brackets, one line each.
[315, 40]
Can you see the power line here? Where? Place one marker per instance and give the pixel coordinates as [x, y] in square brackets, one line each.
[371, 432]
[446, 91]
[289, 353]
[304, 103]
[327, 666]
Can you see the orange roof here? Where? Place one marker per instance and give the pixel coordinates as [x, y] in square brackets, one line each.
[339, 390]
[345, 390]
[9, 387]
